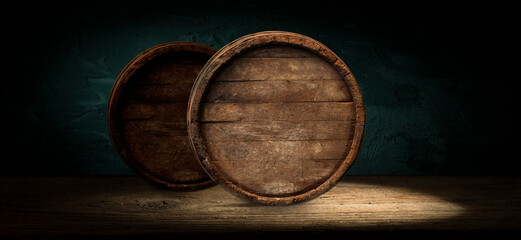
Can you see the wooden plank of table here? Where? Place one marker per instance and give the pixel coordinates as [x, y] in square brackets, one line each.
[128, 205]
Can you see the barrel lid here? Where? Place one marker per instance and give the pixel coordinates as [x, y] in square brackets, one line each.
[147, 114]
[276, 117]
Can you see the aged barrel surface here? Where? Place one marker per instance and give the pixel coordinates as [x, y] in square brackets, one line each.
[276, 117]
[147, 114]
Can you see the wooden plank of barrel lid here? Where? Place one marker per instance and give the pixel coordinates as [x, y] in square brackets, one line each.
[147, 114]
[276, 117]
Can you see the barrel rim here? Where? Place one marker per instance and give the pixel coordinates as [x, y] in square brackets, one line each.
[246, 43]
[117, 88]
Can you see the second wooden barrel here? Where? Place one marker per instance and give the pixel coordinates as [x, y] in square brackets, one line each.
[147, 114]
[276, 117]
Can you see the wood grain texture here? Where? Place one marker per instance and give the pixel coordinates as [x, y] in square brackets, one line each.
[129, 206]
[281, 68]
[281, 150]
[277, 130]
[280, 111]
[142, 111]
[177, 93]
[276, 117]
[141, 127]
[275, 51]
[167, 72]
[147, 114]
[279, 91]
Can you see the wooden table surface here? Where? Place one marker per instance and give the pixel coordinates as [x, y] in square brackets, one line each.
[117, 206]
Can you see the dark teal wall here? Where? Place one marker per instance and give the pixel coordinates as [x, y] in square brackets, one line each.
[436, 79]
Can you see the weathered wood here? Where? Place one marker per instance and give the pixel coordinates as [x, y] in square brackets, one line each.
[125, 207]
[170, 73]
[234, 150]
[277, 130]
[279, 91]
[274, 51]
[276, 117]
[154, 127]
[158, 144]
[282, 111]
[271, 178]
[166, 166]
[147, 114]
[161, 94]
[154, 111]
[167, 163]
[280, 69]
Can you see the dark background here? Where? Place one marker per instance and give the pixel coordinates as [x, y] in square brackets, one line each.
[438, 78]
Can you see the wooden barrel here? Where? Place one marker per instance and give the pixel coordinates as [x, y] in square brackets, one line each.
[147, 114]
[276, 117]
